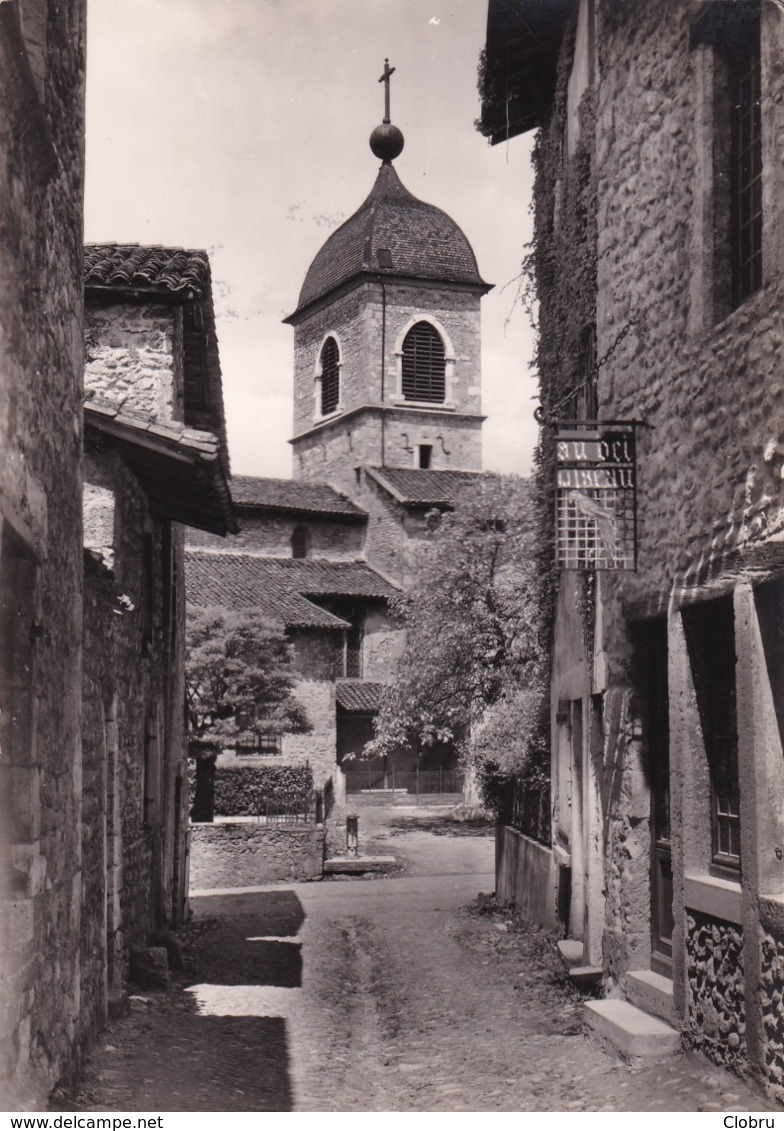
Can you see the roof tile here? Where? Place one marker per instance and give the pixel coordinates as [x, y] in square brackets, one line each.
[134, 265]
[279, 587]
[291, 495]
[359, 696]
[417, 487]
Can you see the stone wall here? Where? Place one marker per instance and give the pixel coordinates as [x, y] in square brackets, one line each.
[525, 874]
[628, 233]
[133, 635]
[133, 357]
[356, 321]
[341, 442]
[680, 367]
[41, 204]
[247, 854]
[270, 534]
[772, 1007]
[716, 1019]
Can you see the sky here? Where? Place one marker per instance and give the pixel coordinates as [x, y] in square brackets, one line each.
[241, 127]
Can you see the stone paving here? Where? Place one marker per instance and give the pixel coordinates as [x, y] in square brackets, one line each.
[380, 995]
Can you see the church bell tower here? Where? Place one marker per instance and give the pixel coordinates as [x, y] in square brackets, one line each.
[387, 337]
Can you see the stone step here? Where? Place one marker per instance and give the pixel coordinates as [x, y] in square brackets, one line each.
[571, 952]
[357, 865]
[586, 975]
[630, 1031]
[650, 992]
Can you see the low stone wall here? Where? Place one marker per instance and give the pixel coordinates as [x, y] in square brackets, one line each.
[716, 1010]
[525, 873]
[245, 853]
[772, 1007]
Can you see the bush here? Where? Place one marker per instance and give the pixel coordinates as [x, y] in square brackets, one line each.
[241, 791]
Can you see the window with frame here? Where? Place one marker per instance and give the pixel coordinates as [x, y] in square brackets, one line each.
[330, 377]
[424, 365]
[732, 32]
[710, 637]
[255, 743]
[746, 157]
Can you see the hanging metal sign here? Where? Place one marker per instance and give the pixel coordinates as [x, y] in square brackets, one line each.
[596, 495]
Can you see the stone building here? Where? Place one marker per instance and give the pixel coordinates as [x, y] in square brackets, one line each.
[659, 250]
[155, 460]
[387, 426]
[41, 193]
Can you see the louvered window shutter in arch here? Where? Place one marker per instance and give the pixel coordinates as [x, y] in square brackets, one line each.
[424, 364]
[330, 377]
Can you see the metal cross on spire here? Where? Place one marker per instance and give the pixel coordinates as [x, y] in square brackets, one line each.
[388, 72]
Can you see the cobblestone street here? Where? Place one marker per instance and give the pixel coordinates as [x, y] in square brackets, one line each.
[382, 994]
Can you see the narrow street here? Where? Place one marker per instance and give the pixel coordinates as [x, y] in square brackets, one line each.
[386, 994]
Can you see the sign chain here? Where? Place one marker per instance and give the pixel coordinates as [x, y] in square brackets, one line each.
[549, 418]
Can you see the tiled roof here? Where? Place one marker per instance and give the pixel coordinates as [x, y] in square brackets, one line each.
[134, 266]
[279, 587]
[423, 488]
[358, 696]
[291, 495]
[177, 275]
[179, 467]
[422, 242]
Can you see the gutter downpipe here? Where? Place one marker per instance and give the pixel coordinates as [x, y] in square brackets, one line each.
[383, 367]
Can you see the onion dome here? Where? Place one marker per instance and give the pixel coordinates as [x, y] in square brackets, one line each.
[392, 234]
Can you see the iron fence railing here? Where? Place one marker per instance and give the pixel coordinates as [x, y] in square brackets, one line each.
[529, 809]
[413, 782]
[287, 810]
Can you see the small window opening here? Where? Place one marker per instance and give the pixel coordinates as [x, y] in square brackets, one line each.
[425, 455]
[300, 542]
[330, 377]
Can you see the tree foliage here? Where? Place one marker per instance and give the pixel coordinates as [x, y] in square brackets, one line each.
[239, 675]
[474, 667]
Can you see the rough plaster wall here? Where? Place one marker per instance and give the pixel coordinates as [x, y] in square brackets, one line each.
[270, 534]
[131, 358]
[40, 484]
[382, 646]
[716, 1017]
[319, 746]
[626, 805]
